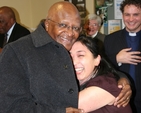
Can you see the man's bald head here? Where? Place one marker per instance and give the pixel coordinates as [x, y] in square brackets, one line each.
[61, 7]
[8, 12]
[7, 19]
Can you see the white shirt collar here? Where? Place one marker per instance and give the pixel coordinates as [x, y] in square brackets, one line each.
[132, 34]
[10, 31]
[93, 36]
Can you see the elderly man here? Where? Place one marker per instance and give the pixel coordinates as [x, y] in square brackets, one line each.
[92, 26]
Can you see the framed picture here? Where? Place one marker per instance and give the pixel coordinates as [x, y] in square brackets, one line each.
[80, 7]
[68, 1]
[80, 0]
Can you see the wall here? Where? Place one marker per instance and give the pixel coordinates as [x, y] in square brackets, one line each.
[23, 11]
[30, 12]
[39, 10]
[90, 6]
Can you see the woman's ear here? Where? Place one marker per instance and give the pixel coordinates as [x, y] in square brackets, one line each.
[97, 60]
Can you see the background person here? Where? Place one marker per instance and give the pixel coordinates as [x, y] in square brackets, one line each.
[9, 27]
[123, 48]
[40, 77]
[92, 27]
[97, 79]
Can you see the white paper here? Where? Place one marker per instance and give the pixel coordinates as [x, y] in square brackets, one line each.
[118, 14]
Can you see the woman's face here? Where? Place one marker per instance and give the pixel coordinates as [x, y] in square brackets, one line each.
[84, 62]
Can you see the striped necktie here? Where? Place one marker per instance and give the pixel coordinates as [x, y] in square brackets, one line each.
[5, 40]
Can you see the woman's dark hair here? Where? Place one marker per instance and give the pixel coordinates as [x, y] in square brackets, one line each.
[104, 67]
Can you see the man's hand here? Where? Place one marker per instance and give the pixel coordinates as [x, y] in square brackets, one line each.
[74, 110]
[125, 94]
[129, 57]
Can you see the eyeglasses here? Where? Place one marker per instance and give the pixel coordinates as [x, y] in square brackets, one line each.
[64, 26]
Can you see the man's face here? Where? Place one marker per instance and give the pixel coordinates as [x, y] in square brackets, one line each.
[91, 27]
[64, 28]
[132, 18]
[5, 23]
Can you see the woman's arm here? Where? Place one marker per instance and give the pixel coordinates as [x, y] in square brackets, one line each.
[93, 98]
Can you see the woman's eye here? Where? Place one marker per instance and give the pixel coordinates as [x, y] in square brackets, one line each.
[80, 55]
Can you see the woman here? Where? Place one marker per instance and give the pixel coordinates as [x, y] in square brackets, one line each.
[97, 79]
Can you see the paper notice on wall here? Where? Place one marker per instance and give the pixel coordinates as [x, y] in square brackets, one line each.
[113, 25]
[118, 14]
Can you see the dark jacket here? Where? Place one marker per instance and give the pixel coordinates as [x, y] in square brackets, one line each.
[36, 76]
[100, 40]
[17, 32]
[100, 36]
[114, 43]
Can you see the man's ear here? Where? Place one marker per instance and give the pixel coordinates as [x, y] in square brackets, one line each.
[46, 25]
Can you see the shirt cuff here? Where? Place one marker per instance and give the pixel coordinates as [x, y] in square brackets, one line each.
[119, 64]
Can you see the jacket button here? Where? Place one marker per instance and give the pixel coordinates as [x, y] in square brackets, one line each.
[70, 91]
[66, 66]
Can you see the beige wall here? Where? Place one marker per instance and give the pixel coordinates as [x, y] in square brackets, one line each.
[30, 12]
[23, 9]
[39, 10]
[90, 6]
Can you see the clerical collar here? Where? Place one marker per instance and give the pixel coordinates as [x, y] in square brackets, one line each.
[132, 34]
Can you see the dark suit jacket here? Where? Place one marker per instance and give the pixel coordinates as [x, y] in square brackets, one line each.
[100, 36]
[17, 32]
[37, 76]
[114, 43]
[100, 40]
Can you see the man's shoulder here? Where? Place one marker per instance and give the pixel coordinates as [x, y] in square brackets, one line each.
[100, 34]
[20, 27]
[116, 33]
